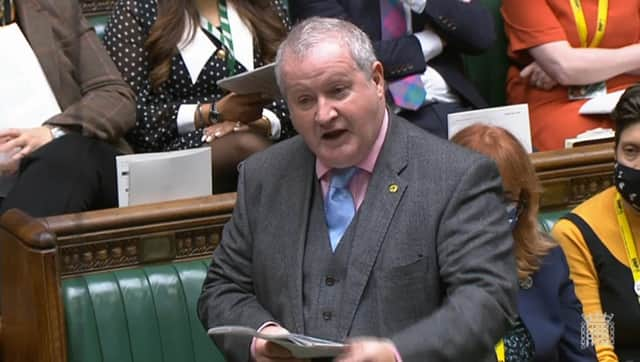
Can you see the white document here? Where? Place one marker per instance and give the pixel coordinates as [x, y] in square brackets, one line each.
[514, 119]
[601, 105]
[26, 98]
[260, 80]
[163, 176]
[299, 345]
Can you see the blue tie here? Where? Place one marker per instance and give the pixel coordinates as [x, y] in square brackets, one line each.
[339, 207]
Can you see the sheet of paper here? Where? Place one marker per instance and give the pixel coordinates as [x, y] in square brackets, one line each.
[514, 118]
[26, 98]
[601, 105]
[299, 345]
[154, 177]
[260, 80]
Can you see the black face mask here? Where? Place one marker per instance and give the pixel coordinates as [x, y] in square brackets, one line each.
[627, 181]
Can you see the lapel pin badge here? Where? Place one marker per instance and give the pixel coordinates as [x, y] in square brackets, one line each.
[393, 188]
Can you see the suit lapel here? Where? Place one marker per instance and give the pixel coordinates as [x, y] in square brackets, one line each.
[384, 193]
[36, 27]
[299, 182]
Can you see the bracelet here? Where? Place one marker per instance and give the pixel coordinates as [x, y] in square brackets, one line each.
[199, 119]
[214, 115]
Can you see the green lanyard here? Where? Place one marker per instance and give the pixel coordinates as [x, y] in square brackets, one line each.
[225, 35]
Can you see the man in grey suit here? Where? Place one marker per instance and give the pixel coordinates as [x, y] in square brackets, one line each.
[422, 269]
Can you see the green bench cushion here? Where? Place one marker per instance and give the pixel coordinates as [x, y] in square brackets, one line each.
[143, 314]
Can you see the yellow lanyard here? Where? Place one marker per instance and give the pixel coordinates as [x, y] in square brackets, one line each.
[581, 23]
[500, 350]
[629, 245]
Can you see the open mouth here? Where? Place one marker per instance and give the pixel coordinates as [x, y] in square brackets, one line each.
[332, 135]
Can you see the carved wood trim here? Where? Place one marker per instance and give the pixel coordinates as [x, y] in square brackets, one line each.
[119, 238]
[571, 176]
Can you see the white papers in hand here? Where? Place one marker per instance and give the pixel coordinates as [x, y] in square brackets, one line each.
[163, 176]
[601, 105]
[514, 119]
[26, 98]
[260, 80]
[299, 345]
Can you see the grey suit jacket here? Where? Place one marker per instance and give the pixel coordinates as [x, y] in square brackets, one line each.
[89, 88]
[432, 266]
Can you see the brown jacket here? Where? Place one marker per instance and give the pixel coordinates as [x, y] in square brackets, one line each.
[88, 86]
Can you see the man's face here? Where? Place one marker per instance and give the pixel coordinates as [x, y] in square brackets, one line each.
[334, 106]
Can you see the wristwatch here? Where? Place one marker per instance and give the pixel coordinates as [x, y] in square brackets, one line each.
[214, 115]
[57, 132]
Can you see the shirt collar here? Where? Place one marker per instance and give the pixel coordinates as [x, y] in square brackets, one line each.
[368, 162]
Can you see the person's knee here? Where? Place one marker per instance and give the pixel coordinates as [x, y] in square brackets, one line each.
[250, 143]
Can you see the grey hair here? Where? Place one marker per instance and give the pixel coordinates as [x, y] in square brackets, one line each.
[316, 30]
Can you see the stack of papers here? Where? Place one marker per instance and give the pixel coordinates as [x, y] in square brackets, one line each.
[299, 345]
[163, 176]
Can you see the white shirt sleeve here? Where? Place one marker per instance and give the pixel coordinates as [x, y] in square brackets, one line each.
[275, 123]
[430, 43]
[417, 6]
[185, 118]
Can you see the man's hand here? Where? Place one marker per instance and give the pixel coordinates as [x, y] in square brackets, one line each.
[25, 140]
[267, 351]
[538, 77]
[369, 350]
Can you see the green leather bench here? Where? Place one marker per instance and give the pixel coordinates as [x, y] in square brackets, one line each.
[117, 285]
[145, 314]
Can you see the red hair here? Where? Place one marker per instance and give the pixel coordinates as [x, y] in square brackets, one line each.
[517, 172]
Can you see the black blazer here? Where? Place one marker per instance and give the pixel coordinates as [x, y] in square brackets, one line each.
[466, 27]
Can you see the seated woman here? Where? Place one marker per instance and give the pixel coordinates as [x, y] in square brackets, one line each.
[549, 324]
[562, 53]
[600, 238]
[68, 163]
[173, 52]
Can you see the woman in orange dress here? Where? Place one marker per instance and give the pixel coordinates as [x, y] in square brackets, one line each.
[554, 54]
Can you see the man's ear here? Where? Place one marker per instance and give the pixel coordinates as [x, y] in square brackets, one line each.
[377, 76]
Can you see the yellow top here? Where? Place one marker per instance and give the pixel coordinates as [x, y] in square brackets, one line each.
[599, 213]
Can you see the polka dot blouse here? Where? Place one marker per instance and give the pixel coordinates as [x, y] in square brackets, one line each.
[156, 126]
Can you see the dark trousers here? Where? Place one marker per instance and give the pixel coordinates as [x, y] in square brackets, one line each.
[433, 117]
[72, 173]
